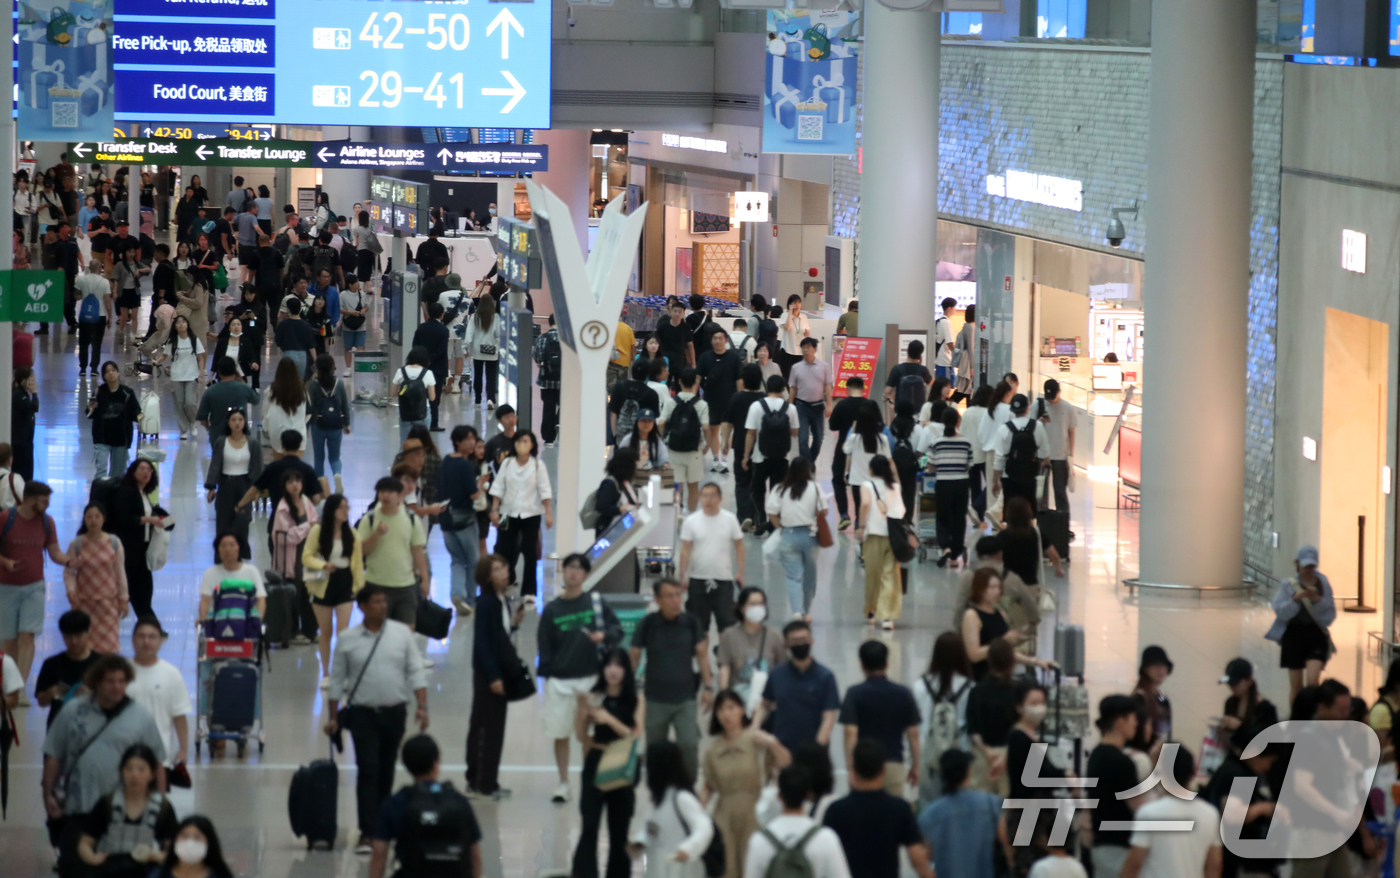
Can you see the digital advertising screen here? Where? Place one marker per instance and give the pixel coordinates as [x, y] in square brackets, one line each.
[333, 62]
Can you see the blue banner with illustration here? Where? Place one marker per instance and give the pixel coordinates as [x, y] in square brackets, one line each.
[64, 76]
[809, 93]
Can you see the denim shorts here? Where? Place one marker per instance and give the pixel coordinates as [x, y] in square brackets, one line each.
[21, 610]
[352, 338]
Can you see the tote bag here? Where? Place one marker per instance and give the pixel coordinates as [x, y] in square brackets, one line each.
[618, 766]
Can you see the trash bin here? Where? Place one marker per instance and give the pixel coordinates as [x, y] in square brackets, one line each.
[371, 378]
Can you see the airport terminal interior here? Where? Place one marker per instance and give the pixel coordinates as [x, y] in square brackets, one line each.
[1037, 190]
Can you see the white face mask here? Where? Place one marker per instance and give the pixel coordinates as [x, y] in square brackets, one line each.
[1034, 714]
[191, 850]
[234, 334]
[491, 211]
[756, 613]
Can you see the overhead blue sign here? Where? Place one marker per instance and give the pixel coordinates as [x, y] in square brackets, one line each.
[335, 62]
[436, 157]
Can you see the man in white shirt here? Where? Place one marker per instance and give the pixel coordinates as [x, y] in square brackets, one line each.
[1177, 854]
[1017, 464]
[160, 688]
[794, 829]
[11, 482]
[1060, 420]
[768, 468]
[688, 436]
[708, 571]
[943, 340]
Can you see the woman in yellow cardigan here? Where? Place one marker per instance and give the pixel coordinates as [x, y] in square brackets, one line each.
[335, 572]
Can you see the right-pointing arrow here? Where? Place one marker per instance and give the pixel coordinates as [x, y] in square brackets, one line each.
[516, 91]
[505, 21]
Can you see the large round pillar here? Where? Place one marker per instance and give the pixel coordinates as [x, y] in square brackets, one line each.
[899, 178]
[1199, 165]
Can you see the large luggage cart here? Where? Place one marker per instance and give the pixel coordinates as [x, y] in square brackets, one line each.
[925, 517]
[228, 694]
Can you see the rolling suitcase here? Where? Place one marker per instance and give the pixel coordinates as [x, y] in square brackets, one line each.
[1069, 649]
[281, 611]
[235, 697]
[311, 802]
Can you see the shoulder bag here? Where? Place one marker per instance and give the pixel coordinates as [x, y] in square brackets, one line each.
[824, 538]
[60, 787]
[903, 544]
[713, 857]
[617, 768]
[340, 715]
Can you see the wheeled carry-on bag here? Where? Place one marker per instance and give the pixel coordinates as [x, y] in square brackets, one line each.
[234, 707]
[311, 802]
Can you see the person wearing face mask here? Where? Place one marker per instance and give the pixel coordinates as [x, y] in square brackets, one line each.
[196, 852]
[574, 628]
[749, 651]
[800, 694]
[1030, 713]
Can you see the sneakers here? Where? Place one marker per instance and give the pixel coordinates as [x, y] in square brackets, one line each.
[24, 698]
[325, 682]
[887, 625]
[346, 373]
[498, 795]
[184, 435]
[364, 849]
[561, 793]
[339, 486]
[463, 608]
[719, 466]
[428, 663]
[843, 524]
[747, 526]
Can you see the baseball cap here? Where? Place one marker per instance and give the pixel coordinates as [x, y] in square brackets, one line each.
[1155, 655]
[1307, 556]
[1019, 404]
[646, 415]
[1238, 669]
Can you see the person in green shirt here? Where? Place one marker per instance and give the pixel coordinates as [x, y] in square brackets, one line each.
[395, 542]
[849, 323]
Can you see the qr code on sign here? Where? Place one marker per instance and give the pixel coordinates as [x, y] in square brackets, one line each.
[65, 114]
[809, 127]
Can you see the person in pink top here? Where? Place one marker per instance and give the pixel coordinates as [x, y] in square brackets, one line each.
[292, 521]
[95, 579]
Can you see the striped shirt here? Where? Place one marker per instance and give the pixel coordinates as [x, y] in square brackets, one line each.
[950, 456]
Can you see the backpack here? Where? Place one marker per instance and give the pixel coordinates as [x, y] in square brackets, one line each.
[588, 515]
[183, 282]
[8, 481]
[683, 429]
[282, 242]
[627, 418]
[322, 259]
[904, 457]
[943, 729]
[91, 309]
[789, 862]
[768, 333]
[104, 491]
[233, 612]
[551, 366]
[296, 265]
[775, 432]
[1021, 462]
[349, 258]
[413, 397]
[329, 415]
[432, 838]
[10, 523]
[912, 389]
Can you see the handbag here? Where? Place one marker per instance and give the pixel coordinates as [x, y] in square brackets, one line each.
[518, 681]
[824, 538]
[432, 620]
[373, 245]
[158, 549]
[221, 278]
[618, 766]
[903, 543]
[713, 857]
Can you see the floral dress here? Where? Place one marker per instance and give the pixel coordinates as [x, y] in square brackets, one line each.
[96, 583]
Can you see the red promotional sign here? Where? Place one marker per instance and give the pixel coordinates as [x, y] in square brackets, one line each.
[856, 357]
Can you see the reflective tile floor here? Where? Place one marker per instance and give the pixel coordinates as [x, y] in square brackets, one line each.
[526, 835]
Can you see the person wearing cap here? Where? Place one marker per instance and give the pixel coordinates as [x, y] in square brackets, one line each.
[1257, 805]
[1116, 773]
[1304, 608]
[645, 442]
[1244, 708]
[1153, 671]
[1015, 468]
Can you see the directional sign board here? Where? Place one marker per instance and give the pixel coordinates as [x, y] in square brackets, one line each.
[334, 62]
[264, 153]
[438, 157]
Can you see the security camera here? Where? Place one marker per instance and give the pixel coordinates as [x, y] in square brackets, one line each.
[1115, 232]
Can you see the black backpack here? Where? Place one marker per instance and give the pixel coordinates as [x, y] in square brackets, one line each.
[913, 389]
[904, 458]
[1021, 462]
[768, 333]
[775, 432]
[683, 429]
[551, 366]
[329, 413]
[432, 837]
[322, 259]
[413, 397]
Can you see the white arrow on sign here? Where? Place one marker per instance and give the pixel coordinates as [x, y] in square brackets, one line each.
[79, 150]
[516, 91]
[203, 153]
[323, 156]
[505, 21]
[445, 154]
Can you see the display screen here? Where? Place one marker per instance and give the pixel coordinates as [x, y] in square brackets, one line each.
[333, 62]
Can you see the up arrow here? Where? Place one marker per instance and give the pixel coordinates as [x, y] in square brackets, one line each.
[445, 154]
[203, 153]
[516, 91]
[505, 21]
[323, 155]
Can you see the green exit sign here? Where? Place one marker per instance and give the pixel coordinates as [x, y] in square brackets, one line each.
[31, 296]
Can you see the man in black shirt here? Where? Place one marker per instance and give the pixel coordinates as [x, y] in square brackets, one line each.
[68, 255]
[635, 390]
[735, 414]
[881, 710]
[61, 676]
[427, 811]
[674, 645]
[271, 482]
[872, 824]
[432, 337]
[295, 337]
[222, 239]
[719, 366]
[431, 251]
[99, 230]
[843, 416]
[674, 336]
[162, 283]
[912, 365]
[502, 444]
[1116, 773]
[1259, 809]
[433, 285]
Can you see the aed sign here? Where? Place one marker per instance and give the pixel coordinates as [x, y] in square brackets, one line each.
[29, 295]
[1354, 251]
[751, 207]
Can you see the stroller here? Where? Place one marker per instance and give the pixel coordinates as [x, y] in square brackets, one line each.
[149, 362]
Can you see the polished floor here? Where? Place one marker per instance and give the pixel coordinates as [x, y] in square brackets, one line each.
[526, 835]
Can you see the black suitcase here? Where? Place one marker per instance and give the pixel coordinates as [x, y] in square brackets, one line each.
[281, 611]
[311, 802]
[1054, 530]
[235, 699]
